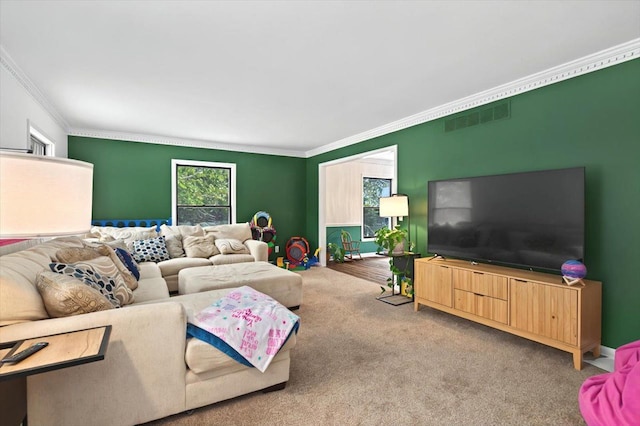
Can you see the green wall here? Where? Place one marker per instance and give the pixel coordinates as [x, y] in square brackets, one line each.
[333, 236]
[592, 121]
[132, 180]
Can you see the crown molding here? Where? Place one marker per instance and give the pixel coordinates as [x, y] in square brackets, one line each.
[10, 65]
[590, 63]
[191, 143]
[605, 58]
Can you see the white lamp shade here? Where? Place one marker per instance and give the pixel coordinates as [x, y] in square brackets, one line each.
[44, 196]
[396, 205]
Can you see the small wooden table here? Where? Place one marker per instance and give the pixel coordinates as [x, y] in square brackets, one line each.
[64, 350]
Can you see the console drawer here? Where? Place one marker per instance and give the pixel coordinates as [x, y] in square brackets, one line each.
[480, 283]
[480, 305]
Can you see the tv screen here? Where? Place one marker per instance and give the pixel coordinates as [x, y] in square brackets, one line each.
[533, 220]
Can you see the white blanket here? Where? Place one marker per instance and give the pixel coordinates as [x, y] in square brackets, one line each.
[251, 323]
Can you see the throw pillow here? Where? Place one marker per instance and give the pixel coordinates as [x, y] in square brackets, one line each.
[128, 234]
[89, 276]
[231, 246]
[200, 246]
[150, 250]
[174, 245]
[126, 258]
[76, 254]
[128, 277]
[65, 296]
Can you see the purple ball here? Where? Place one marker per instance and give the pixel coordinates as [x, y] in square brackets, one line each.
[573, 269]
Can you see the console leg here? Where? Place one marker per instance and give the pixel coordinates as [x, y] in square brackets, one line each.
[577, 360]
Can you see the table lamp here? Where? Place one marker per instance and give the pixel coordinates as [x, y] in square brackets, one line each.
[397, 205]
[43, 196]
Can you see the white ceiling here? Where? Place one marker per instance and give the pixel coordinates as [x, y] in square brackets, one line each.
[282, 76]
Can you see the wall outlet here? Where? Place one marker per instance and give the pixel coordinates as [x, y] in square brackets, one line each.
[276, 249]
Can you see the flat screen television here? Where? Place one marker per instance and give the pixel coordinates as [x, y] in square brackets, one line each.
[532, 220]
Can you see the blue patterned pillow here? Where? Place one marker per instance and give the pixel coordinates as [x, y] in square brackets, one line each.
[126, 258]
[150, 250]
[90, 277]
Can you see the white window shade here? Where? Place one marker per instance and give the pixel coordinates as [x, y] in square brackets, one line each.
[44, 196]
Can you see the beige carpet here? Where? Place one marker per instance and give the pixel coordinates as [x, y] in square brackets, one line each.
[359, 361]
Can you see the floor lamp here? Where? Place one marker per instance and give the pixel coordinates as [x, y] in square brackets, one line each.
[40, 196]
[397, 205]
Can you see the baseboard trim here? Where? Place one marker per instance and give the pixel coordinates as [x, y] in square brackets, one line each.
[606, 359]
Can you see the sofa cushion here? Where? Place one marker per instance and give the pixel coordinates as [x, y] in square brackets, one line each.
[203, 246]
[87, 274]
[151, 289]
[64, 296]
[150, 250]
[228, 259]
[173, 266]
[237, 231]
[19, 297]
[201, 357]
[231, 246]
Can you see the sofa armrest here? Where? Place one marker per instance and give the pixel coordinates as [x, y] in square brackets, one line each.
[258, 249]
[141, 378]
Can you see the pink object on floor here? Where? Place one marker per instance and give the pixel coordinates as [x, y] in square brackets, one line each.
[614, 398]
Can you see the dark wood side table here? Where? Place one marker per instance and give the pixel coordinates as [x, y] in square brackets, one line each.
[402, 261]
[64, 350]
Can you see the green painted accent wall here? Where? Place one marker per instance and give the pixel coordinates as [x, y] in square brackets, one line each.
[592, 120]
[132, 180]
[333, 236]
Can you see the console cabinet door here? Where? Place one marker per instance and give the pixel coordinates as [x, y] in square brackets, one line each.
[434, 283]
[545, 310]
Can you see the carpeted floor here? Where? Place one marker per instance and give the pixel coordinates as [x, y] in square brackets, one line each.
[359, 361]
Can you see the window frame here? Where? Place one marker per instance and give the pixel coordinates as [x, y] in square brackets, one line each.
[175, 163]
[390, 180]
[37, 137]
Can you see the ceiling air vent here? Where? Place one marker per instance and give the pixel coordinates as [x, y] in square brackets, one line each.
[494, 112]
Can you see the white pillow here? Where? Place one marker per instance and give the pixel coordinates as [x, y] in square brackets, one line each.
[231, 246]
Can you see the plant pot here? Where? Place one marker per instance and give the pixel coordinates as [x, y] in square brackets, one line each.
[404, 288]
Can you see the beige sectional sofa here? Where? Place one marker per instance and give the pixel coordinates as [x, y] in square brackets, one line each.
[190, 246]
[151, 370]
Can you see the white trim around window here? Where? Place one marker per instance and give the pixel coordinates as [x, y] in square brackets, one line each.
[174, 193]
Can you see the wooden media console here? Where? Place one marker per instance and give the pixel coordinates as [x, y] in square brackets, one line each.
[533, 305]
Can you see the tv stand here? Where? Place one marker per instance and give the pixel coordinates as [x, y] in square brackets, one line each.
[533, 305]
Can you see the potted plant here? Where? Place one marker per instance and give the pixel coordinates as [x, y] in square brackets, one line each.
[393, 240]
[336, 251]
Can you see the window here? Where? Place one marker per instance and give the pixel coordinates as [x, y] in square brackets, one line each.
[203, 192]
[372, 190]
[39, 144]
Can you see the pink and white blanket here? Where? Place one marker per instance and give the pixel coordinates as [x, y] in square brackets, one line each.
[252, 324]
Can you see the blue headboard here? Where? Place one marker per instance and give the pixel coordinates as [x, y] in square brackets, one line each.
[125, 223]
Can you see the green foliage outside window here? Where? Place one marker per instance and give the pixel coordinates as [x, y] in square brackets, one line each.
[203, 195]
[372, 190]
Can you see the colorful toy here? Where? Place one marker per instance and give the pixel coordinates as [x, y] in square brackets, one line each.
[262, 230]
[297, 248]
